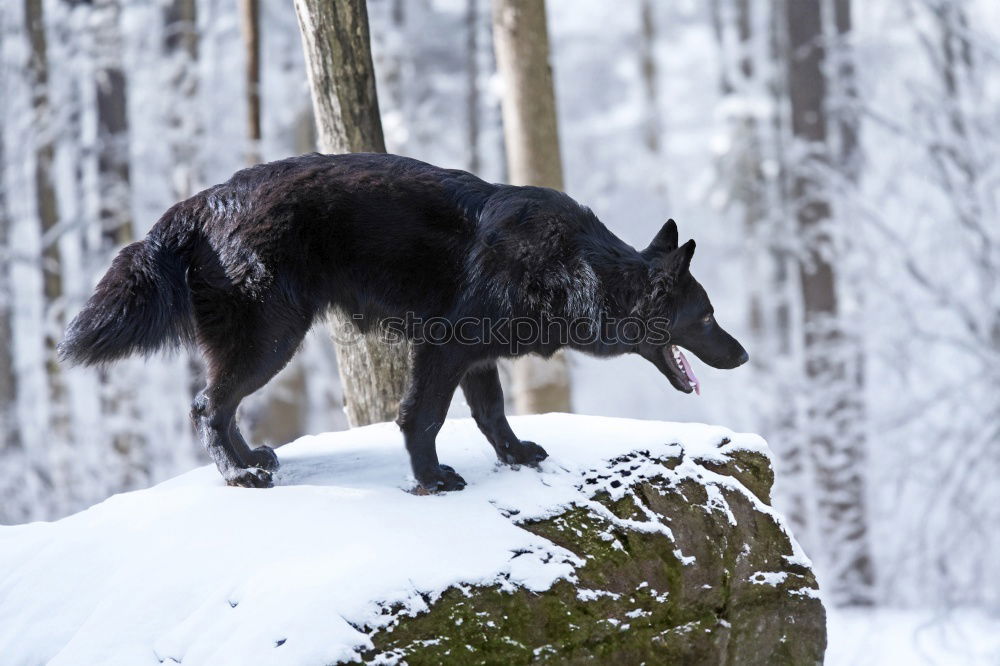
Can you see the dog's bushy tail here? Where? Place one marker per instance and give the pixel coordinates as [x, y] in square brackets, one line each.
[140, 305]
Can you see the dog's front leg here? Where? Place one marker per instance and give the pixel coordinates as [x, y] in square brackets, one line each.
[481, 385]
[434, 376]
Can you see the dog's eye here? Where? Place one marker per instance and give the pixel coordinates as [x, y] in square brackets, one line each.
[707, 319]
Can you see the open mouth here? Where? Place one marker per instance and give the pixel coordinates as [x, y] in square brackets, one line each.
[680, 369]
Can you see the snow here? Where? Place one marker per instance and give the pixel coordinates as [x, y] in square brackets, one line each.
[897, 637]
[773, 578]
[194, 571]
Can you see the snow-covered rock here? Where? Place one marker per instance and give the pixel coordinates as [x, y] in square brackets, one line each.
[636, 541]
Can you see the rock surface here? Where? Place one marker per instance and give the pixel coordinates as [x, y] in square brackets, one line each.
[636, 542]
[683, 563]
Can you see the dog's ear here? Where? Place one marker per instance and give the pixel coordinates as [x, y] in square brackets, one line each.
[664, 242]
[679, 261]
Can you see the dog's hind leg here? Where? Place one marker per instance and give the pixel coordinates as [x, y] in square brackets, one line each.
[241, 359]
[481, 385]
[434, 376]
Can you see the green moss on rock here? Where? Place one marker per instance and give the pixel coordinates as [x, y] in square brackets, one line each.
[706, 580]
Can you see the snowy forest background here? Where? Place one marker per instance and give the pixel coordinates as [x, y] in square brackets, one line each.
[848, 229]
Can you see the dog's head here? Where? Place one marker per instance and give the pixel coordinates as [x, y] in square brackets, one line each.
[676, 299]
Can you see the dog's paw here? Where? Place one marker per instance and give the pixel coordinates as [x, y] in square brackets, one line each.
[522, 453]
[442, 478]
[253, 477]
[264, 458]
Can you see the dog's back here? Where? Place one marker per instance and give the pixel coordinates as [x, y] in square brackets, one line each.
[383, 235]
[371, 233]
[376, 235]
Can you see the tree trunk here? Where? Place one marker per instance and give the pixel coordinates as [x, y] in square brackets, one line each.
[114, 180]
[847, 92]
[521, 42]
[749, 38]
[12, 495]
[250, 16]
[773, 304]
[9, 429]
[648, 73]
[180, 46]
[472, 82]
[112, 159]
[751, 184]
[342, 79]
[48, 216]
[837, 453]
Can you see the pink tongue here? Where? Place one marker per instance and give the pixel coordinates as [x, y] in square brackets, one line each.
[686, 367]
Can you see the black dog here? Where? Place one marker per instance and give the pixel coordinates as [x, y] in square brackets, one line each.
[244, 268]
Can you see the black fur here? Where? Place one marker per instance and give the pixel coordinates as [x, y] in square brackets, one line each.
[139, 306]
[244, 268]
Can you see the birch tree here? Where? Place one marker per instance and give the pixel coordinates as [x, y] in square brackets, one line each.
[531, 136]
[337, 48]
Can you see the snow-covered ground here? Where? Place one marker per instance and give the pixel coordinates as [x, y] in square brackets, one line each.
[889, 637]
[194, 571]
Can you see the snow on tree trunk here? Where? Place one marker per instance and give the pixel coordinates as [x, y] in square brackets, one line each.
[531, 135]
[342, 80]
[831, 392]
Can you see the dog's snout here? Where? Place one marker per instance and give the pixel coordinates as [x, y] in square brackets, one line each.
[735, 360]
